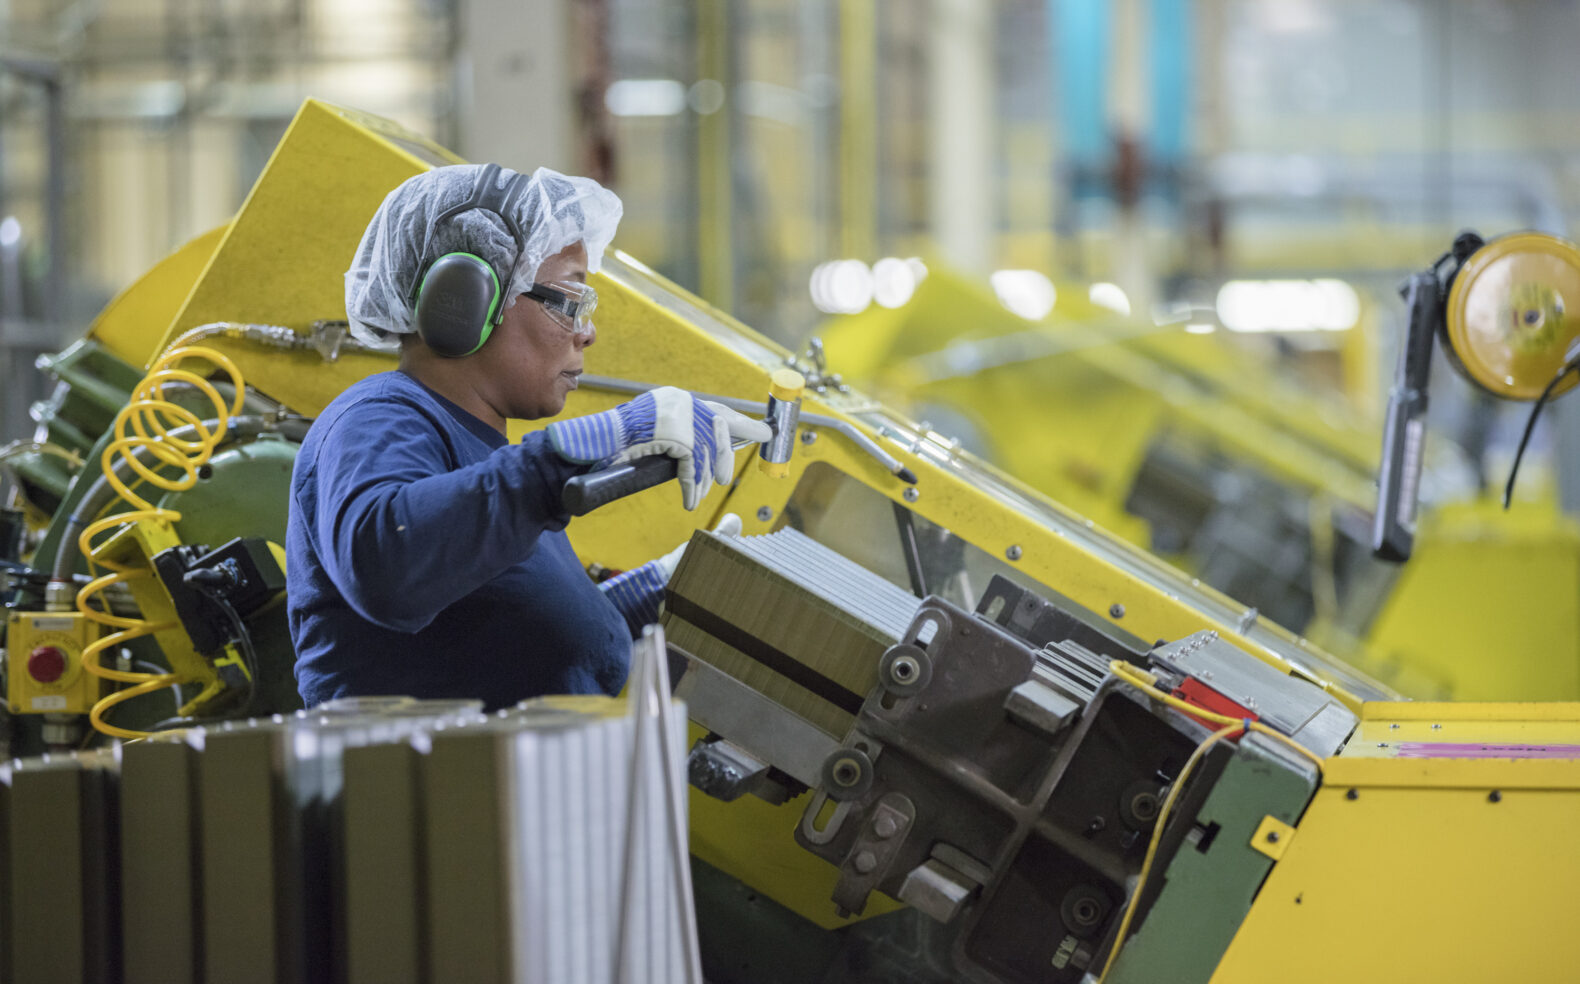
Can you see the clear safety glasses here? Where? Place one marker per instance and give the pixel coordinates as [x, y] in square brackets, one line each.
[570, 302]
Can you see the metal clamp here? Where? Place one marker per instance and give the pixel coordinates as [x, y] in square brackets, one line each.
[878, 841]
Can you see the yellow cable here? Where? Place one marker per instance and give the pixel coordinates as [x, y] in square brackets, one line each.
[1141, 680]
[1157, 838]
[1136, 678]
[145, 426]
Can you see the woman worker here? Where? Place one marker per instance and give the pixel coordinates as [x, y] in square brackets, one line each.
[426, 555]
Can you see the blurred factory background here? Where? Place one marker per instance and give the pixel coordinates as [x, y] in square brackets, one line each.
[1234, 189]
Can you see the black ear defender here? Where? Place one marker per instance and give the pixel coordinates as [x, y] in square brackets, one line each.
[460, 297]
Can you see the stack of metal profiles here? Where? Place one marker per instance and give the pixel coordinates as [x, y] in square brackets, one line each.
[788, 617]
[385, 840]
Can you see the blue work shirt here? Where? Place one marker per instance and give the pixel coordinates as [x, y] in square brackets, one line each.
[426, 556]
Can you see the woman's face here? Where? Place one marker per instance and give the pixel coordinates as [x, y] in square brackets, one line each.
[534, 357]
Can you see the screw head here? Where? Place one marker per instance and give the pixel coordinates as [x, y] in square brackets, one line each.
[885, 827]
[808, 437]
[912, 493]
[1013, 553]
[1494, 797]
[1116, 610]
[764, 514]
[904, 670]
[1353, 794]
[847, 772]
[1272, 837]
[866, 861]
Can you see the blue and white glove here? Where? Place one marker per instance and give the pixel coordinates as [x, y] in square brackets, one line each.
[637, 592]
[668, 421]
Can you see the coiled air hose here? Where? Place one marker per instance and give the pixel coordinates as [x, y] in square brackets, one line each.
[144, 427]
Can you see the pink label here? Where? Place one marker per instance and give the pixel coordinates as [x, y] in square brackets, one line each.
[1473, 750]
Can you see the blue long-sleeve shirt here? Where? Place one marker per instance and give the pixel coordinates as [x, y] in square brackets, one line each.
[427, 556]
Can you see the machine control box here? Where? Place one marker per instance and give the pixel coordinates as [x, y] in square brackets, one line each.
[44, 655]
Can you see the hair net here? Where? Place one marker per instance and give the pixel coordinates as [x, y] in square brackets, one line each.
[555, 212]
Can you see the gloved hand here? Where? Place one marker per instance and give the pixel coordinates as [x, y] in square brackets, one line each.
[729, 524]
[637, 593]
[669, 421]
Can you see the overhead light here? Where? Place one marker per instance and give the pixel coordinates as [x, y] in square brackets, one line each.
[1027, 293]
[1200, 327]
[1288, 305]
[645, 97]
[1109, 296]
[842, 287]
[774, 102]
[705, 97]
[893, 282]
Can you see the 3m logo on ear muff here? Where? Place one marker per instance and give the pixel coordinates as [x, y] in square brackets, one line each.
[459, 295]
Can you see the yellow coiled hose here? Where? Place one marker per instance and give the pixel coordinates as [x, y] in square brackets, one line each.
[144, 427]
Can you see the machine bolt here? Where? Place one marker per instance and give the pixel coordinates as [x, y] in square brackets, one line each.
[1013, 553]
[1116, 610]
[808, 437]
[1494, 797]
[1272, 837]
[866, 861]
[904, 669]
[912, 493]
[885, 827]
[847, 772]
[765, 514]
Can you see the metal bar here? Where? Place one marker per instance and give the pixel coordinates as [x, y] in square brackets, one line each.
[762, 727]
[55, 203]
[913, 556]
[613, 384]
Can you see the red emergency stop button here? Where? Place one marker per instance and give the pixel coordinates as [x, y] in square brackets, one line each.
[46, 664]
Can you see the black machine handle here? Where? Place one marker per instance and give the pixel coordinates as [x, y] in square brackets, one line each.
[584, 493]
[1404, 432]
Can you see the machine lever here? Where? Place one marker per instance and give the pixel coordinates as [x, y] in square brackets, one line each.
[584, 493]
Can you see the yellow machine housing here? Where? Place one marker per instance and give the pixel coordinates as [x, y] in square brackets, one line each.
[1113, 417]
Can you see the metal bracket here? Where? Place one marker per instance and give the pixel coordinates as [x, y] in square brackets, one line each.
[756, 724]
[867, 862]
[1272, 837]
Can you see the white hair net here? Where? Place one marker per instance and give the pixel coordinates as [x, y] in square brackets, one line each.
[555, 212]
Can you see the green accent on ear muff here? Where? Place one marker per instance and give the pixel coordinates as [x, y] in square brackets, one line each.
[458, 303]
[459, 299]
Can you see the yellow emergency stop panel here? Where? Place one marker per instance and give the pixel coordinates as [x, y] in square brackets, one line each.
[45, 655]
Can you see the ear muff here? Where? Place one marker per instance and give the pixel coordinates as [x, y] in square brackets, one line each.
[459, 298]
[458, 304]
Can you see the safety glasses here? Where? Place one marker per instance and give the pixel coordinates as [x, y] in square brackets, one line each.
[570, 302]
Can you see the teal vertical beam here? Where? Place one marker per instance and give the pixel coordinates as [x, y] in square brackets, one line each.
[1083, 38]
[1170, 48]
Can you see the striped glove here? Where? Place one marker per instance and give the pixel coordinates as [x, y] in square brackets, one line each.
[636, 593]
[666, 421]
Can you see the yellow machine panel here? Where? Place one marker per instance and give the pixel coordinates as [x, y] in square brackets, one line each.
[1436, 841]
[44, 650]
